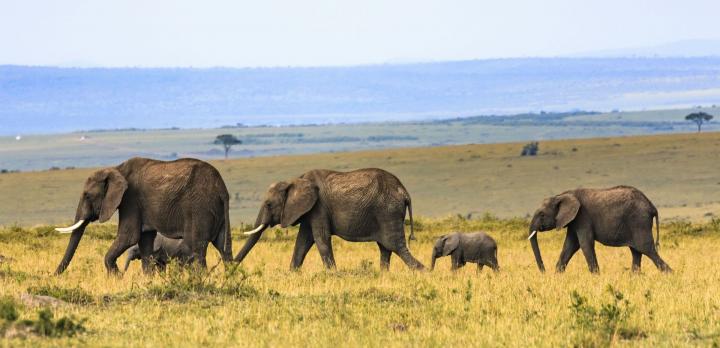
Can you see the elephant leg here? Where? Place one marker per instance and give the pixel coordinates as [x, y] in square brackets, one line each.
[455, 261]
[409, 260]
[385, 254]
[650, 251]
[570, 247]
[636, 259]
[658, 261]
[394, 239]
[494, 265]
[479, 267]
[128, 235]
[303, 243]
[146, 243]
[219, 244]
[587, 245]
[323, 240]
[193, 233]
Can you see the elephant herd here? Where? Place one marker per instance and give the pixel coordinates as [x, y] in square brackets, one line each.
[175, 209]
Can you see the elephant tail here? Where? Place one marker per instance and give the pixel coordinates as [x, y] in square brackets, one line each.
[408, 203]
[227, 233]
[657, 230]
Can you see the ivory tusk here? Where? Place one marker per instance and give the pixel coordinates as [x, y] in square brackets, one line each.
[532, 234]
[258, 229]
[70, 228]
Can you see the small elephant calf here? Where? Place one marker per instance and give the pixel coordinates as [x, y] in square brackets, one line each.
[475, 247]
[164, 249]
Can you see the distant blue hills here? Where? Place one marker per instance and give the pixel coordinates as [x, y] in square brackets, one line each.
[55, 100]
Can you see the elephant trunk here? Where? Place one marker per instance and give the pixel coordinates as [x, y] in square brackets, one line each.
[434, 257]
[132, 254]
[536, 250]
[260, 227]
[72, 246]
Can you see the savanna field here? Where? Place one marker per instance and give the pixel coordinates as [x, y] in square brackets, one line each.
[458, 188]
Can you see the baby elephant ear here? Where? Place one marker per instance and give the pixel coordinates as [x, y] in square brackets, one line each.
[451, 242]
[115, 188]
[301, 197]
[568, 207]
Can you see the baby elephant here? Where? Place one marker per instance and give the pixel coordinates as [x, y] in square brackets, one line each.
[475, 247]
[164, 249]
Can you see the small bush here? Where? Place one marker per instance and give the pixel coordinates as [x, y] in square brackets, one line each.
[182, 284]
[8, 309]
[599, 326]
[63, 327]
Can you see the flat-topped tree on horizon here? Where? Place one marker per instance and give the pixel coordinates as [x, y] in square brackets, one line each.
[227, 141]
[699, 118]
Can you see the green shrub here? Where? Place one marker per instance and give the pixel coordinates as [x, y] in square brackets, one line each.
[63, 327]
[8, 309]
[599, 326]
[184, 283]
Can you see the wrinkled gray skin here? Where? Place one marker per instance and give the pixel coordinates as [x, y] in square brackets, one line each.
[365, 205]
[475, 247]
[186, 198]
[617, 216]
[164, 249]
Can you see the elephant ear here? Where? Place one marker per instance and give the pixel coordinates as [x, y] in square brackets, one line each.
[301, 197]
[568, 207]
[115, 185]
[450, 243]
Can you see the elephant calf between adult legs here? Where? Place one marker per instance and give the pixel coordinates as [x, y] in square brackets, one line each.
[360, 206]
[186, 199]
[164, 249]
[475, 247]
[617, 216]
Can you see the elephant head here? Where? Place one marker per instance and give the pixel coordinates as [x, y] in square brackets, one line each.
[555, 212]
[285, 203]
[132, 254]
[444, 246]
[101, 196]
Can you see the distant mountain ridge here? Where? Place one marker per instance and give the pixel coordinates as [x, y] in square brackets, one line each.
[55, 100]
[684, 48]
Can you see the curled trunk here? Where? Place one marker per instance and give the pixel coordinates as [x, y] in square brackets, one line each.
[253, 239]
[249, 244]
[72, 246]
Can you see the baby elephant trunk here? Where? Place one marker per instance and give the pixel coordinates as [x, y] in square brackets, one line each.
[434, 256]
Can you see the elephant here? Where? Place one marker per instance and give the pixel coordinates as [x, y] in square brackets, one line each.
[616, 216]
[358, 206]
[185, 198]
[164, 249]
[475, 247]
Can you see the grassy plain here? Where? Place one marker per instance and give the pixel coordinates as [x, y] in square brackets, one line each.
[265, 304]
[678, 172]
[92, 149]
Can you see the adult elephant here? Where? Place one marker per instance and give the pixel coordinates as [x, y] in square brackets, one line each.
[186, 198]
[359, 206]
[617, 216]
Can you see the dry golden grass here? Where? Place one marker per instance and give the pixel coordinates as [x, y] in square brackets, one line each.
[679, 173]
[265, 304]
[358, 305]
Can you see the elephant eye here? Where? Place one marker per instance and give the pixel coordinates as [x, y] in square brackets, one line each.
[267, 204]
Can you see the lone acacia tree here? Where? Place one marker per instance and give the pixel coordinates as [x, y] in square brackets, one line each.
[227, 141]
[699, 118]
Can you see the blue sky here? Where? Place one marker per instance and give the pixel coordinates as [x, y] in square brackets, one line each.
[322, 33]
